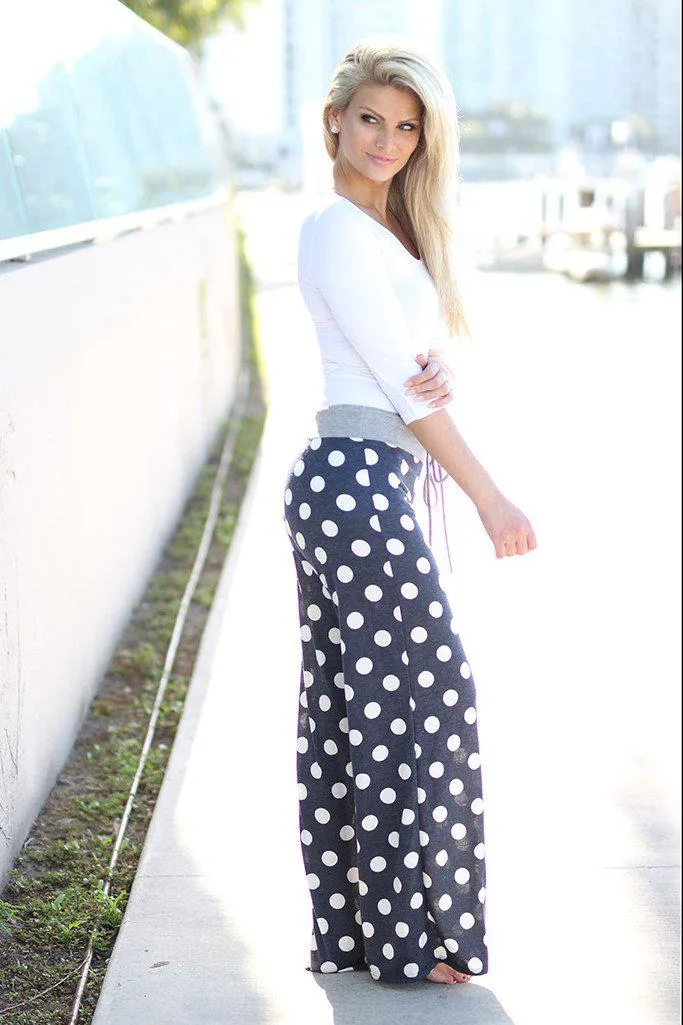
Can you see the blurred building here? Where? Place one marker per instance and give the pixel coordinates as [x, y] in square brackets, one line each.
[575, 61]
[580, 64]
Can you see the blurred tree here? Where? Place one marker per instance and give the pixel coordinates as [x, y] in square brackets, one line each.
[189, 22]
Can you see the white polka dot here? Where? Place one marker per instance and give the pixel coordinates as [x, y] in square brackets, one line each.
[374, 971]
[450, 698]
[364, 666]
[374, 523]
[328, 966]
[387, 569]
[380, 752]
[355, 737]
[443, 653]
[323, 925]
[404, 771]
[474, 760]
[425, 678]
[445, 902]
[370, 822]
[418, 634]
[368, 929]
[360, 547]
[453, 742]
[398, 727]
[387, 795]
[435, 609]
[470, 715]
[337, 900]
[304, 510]
[384, 906]
[451, 944]
[288, 496]
[397, 614]
[393, 479]
[422, 940]
[391, 682]
[458, 831]
[436, 770]
[320, 657]
[316, 771]
[424, 838]
[371, 456]
[373, 592]
[372, 709]
[362, 781]
[411, 970]
[378, 864]
[477, 806]
[408, 817]
[330, 528]
[432, 724]
[475, 965]
[324, 702]
[479, 851]
[406, 522]
[347, 943]
[355, 620]
[388, 951]
[344, 725]
[336, 458]
[380, 502]
[345, 574]
[334, 635]
[322, 815]
[347, 833]
[462, 876]
[317, 483]
[467, 920]
[440, 952]
[300, 539]
[482, 895]
[298, 468]
[393, 839]
[329, 858]
[339, 790]
[456, 786]
[395, 547]
[320, 554]
[411, 860]
[423, 564]
[346, 502]
[306, 836]
[440, 813]
[363, 478]
[382, 638]
[465, 671]
[313, 881]
[441, 858]
[402, 929]
[302, 745]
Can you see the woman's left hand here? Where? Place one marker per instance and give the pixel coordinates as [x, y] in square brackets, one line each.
[434, 384]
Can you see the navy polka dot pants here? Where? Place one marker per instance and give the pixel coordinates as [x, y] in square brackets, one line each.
[388, 767]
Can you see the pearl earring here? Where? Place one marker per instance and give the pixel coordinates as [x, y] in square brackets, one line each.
[333, 128]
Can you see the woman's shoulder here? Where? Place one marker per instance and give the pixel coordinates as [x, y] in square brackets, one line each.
[333, 217]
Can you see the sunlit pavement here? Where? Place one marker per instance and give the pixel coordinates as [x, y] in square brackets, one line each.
[570, 395]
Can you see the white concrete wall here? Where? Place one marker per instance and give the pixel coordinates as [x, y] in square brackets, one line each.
[117, 364]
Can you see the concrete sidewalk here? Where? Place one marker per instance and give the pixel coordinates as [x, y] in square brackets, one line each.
[583, 850]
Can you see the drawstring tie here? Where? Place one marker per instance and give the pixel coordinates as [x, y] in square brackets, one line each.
[435, 474]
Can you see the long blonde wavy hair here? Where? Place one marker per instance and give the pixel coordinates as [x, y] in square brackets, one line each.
[422, 194]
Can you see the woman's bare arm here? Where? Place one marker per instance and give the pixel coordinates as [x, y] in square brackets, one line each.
[507, 526]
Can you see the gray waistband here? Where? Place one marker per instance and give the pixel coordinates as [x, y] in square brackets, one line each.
[347, 420]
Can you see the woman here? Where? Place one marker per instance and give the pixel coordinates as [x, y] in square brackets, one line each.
[387, 753]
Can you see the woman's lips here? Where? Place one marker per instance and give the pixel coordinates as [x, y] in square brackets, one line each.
[381, 160]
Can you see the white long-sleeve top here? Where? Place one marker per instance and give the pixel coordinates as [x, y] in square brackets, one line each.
[374, 305]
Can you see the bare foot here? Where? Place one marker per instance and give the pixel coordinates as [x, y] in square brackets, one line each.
[444, 973]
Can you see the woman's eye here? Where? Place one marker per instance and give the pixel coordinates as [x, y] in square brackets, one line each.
[371, 118]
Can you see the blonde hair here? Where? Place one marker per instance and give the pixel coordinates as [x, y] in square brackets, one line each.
[421, 195]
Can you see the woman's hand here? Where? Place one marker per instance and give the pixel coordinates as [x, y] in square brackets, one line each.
[506, 525]
[434, 384]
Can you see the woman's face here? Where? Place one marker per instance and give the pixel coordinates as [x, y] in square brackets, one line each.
[379, 130]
